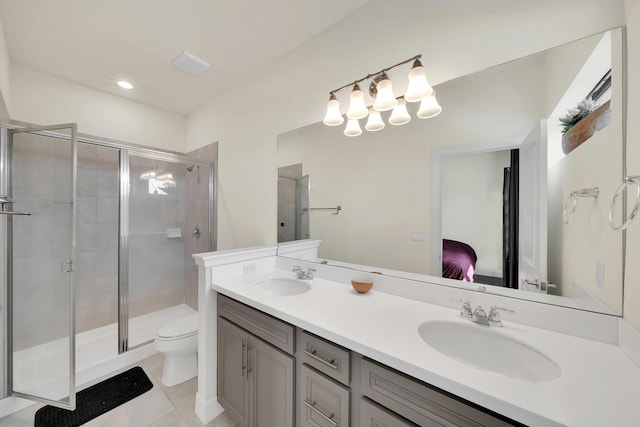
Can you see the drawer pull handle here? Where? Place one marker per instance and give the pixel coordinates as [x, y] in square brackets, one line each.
[243, 366]
[312, 406]
[312, 354]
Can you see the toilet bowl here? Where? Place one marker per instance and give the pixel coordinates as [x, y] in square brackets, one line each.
[178, 341]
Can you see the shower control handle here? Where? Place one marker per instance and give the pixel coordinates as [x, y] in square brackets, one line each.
[196, 232]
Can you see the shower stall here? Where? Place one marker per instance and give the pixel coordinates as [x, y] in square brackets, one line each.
[96, 241]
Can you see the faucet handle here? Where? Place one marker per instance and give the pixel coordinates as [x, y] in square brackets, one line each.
[466, 308]
[310, 273]
[494, 315]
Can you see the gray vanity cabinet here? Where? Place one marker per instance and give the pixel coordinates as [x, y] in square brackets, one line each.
[372, 415]
[419, 402]
[233, 386]
[323, 382]
[322, 402]
[255, 379]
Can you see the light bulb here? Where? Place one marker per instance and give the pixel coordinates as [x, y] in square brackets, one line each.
[400, 115]
[418, 88]
[385, 99]
[333, 116]
[357, 108]
[353, 128]
[429, 107]
[374, 122]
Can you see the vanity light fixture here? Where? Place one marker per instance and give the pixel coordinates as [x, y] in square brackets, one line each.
[400, 115]
[374, 122]
[429, 107]
[381, 91]
[353, 128]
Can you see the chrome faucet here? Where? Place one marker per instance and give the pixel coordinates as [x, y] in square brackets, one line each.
[300, 273]
[480, 316]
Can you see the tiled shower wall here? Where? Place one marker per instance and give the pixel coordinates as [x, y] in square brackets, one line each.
[41, 186]
[156, 262]
[96, 269]
[197, 214]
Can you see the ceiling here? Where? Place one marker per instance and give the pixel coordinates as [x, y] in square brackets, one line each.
[97, 42]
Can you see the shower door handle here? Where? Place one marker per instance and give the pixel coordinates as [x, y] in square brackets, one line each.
[4, 201]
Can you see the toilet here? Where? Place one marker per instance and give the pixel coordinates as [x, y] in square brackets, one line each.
[178, 341]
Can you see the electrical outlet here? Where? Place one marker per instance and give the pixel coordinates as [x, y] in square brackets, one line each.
[600, 274]
[418, 236]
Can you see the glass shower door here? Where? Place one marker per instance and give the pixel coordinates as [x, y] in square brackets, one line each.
[156, 239]
[41, 301]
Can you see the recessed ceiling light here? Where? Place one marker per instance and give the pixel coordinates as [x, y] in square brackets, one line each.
[124, 84]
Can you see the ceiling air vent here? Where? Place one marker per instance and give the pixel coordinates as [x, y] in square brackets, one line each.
[190, 63]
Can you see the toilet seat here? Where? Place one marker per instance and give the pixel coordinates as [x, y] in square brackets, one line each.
[180, 328]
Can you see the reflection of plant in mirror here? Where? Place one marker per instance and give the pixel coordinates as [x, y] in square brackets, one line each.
[574, 115]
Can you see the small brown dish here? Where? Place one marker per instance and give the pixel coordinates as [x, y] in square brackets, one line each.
[361, 287]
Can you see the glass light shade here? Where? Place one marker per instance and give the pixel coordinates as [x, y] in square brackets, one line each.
[418, 88]
[353, 128]
[429, 107]
[385, 99]
[374, 122]
[400, 115]
[357, 108]
[333, 116]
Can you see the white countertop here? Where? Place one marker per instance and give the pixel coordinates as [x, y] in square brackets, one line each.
[599, 384]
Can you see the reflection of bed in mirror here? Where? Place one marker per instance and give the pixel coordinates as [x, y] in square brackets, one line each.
[458, 260]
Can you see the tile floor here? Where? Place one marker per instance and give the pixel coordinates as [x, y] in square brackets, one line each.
[159, 407]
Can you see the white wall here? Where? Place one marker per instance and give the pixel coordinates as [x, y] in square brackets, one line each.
[632, 273]
[247, 120]
[45, 100]
[5, 93]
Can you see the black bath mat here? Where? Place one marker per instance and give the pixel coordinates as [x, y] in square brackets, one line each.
[97, 399]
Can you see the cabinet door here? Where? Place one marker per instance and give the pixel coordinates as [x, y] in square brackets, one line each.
[233, 376]
[372, 415]
[321, 401]
[270, 386]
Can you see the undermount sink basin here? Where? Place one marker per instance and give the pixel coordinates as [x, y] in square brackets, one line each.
[283, 286]
[488, 350]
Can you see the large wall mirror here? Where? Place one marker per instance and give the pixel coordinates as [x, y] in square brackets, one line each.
[495, 182]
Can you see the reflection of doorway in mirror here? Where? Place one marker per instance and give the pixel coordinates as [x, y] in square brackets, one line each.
[479, 211]
[293, 204]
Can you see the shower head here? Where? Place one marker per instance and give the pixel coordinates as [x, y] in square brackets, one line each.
[190, 168]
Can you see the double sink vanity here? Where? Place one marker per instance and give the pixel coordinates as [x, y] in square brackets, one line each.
[276, 350]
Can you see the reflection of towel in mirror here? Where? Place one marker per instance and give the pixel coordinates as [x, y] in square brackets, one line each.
[458, 260]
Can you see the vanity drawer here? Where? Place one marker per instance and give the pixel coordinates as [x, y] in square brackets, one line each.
[276, 332]
[322, 402]
[418, 402]
[326, 357]
[372, 415]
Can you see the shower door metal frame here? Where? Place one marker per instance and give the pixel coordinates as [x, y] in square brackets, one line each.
[123, 281]
[47, 131]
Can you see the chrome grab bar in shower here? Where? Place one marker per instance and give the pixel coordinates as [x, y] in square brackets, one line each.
[629, 180]
[573, 199]
[4, 201]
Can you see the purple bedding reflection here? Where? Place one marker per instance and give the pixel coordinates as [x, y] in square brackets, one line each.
[458, 260]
